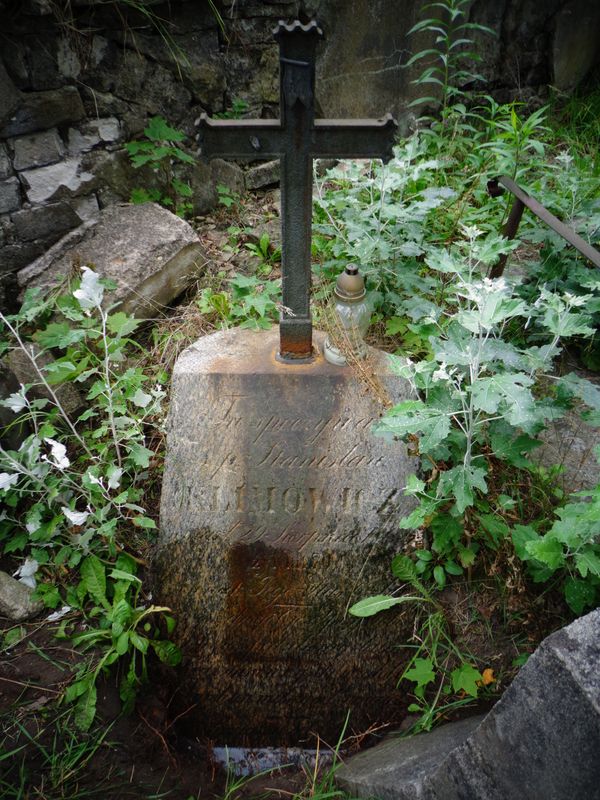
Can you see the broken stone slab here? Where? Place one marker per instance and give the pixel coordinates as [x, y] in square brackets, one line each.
[15, 599]
[541, 740]
[280, 509]
[396, 768]
[64, 179]
[10, 195]
[41, 110]
[149, 253]
[266, 174]
[38, 149]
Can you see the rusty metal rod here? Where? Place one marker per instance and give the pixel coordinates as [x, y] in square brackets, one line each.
[522, 200]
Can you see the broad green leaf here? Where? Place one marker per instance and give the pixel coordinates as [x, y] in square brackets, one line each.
[579, 594]
[122, 644]
[547, 550]
[139, 642]
[588, 562]
[121, 575]
[421, 672]
[85, 710]
[140, 455]
[122, 324]
[521, 535]
[465, 678]
[461, 482]
[93, 576]
[144, 522]
[168, 652]
[59, 334]
[370, 606]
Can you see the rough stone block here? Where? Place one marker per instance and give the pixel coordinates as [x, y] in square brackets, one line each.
[279, 509]
[15, 599]
[86, 208]
[38, 149]
[5, 165]
[150, 254]
[9, 95]
[10, 195]
[41, 110]
[63, 179]
[396, 768]
[48, 223]
[265, 174]
[93, 133]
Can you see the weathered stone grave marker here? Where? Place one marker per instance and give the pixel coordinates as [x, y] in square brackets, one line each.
[279, 508]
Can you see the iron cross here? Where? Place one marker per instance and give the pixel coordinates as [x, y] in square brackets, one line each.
[296, 138]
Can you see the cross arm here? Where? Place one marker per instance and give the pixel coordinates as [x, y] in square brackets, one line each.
[242, 138]
[354, 138]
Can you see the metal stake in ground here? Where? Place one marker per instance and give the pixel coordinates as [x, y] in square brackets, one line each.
[296, 138]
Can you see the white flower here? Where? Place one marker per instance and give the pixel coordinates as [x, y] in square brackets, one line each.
[56, 615]
[58, 454]
[16, 401]
[7, 480]
[27, 571]
[75, 517]
[90, 293]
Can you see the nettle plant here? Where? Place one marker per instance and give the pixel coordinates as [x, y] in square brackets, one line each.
[161, 151]
[74, 485]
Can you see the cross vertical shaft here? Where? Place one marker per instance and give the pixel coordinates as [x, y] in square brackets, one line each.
[297, 65]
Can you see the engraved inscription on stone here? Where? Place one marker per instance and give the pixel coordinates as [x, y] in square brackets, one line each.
[279, 509]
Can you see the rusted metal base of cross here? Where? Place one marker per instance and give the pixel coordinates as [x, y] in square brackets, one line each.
[295, 340]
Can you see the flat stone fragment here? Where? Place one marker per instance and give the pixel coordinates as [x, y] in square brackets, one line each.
[64, 179]
[41, 110]
[10, 195]
[38, 149]
[396, 768]
[15, 600]
[45, 222]
[266, 174]
[151, 254]
[539, 742]
[279, 510]
[5, 166]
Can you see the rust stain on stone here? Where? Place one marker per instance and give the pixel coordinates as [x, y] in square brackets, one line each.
[265, 602]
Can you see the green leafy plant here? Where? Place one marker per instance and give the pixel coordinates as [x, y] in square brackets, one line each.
[444, 677]
[451, 52]
[238, 109]
[266, 253]
[124, 632]
[251, 303]
[72, 488]
[161, 151]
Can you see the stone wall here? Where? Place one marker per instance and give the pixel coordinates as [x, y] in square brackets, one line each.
[80, 78]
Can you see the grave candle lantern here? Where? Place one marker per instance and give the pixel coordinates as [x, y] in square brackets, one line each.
[351, 318]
